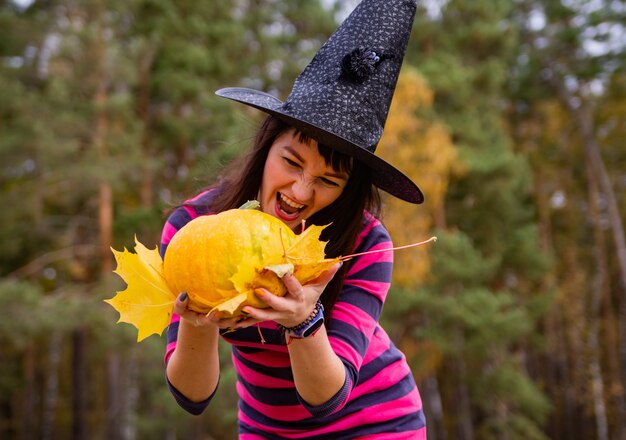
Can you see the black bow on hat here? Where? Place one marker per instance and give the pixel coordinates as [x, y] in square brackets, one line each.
[342, 97]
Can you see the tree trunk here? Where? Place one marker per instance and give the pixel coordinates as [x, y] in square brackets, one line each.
[592, 150]
[143, 109]
[51, 393]
[28, 420]
[583, 116]
[105, 206]
[113, 410]
[130, 397]
[79, 391]
[465, 428]
[597, 289]
[436, 427]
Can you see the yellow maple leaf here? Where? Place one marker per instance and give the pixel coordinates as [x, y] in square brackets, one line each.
[147, 302]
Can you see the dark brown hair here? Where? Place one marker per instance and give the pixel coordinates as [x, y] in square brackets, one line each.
[241, 181]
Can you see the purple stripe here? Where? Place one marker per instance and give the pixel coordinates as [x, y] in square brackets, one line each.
[284, 373]
[376, 236]
[376, 271]
[398, 390]
[370, 369]
[363, 300]
[350, 335]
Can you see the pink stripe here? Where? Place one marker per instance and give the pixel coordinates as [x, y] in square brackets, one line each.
[287, 413]
[259, 379]
[377, 288]
[268, 358]
[372, 223]
[172, 345]
[261, 345]
[380, 257]
[382, 380]
[378, 345]
[168, 351]
[420, 434]
[356, 317]
[168, 233]
[192, 212]
[345, 350]
[373, 414]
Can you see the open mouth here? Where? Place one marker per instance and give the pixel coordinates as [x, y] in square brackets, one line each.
[287, 207]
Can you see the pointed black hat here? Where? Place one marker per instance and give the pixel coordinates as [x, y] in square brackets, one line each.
[342, 97]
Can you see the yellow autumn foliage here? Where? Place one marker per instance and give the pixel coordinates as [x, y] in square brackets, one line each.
[428, 156]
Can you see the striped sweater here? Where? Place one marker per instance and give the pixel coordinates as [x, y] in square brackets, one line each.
[379, 398]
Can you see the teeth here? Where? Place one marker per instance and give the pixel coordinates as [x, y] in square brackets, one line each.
[291, 202]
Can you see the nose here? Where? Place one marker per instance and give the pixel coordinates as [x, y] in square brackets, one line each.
[303, 188]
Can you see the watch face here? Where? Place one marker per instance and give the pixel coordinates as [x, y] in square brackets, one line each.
[313, 328]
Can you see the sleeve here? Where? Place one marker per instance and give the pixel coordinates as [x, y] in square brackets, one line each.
[179, 218]
[195, 408]
[355, 316]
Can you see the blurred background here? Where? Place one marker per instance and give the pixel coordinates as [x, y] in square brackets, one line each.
[510, 115]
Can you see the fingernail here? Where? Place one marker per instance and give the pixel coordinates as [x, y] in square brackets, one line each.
[259, 292]
[245, 312]
[183, 297]
[241, 318]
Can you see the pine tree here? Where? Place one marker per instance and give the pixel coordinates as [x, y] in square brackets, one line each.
[480, 306]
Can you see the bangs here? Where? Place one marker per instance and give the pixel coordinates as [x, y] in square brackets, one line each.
[338, 161]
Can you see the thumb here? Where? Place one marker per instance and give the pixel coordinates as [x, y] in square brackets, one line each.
[325, 278]
[181, 303]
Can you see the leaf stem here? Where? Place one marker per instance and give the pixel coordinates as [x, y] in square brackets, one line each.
[347, 257]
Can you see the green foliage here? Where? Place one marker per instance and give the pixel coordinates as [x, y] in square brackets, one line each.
[21, 301]
[485, 297]
[119, 95]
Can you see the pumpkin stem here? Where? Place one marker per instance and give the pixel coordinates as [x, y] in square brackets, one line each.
[251, 204]
[348, 257]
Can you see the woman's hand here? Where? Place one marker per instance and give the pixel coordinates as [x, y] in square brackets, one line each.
[200, 320]
[205, 321]
[293, 308]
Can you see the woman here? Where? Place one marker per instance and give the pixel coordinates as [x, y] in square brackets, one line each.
[323, 367]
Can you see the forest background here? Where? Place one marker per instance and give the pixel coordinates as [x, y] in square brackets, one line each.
[510, 114]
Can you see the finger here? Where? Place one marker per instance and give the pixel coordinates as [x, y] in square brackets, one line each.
[325, 277]
[275, 303]
[244, 322]
[293, 286]
[180, 305]
[258, 315]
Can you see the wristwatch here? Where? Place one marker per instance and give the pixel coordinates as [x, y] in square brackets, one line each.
[308, 327]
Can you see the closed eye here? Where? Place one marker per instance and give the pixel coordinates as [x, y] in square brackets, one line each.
[329, 182]
[292, 163]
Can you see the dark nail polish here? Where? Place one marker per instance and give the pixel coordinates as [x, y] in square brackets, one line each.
[182, 297]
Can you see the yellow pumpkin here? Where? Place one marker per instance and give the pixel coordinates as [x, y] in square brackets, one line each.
[220, 259]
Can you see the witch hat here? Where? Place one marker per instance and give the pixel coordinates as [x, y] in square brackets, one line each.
[342, 97]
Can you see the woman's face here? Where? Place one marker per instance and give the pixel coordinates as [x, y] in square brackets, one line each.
[297, 182]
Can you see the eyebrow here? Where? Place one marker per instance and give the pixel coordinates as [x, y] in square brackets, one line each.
[342, 176]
